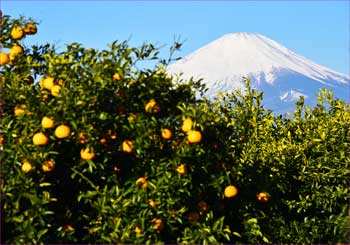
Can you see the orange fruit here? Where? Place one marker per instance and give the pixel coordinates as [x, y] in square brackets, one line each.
[103, 141]
[26, 167]
[68, 228]
[138, 230]
[193, 216]
[117, 77]
[14, 51]
[142, 181]
[86, 154]
[262, 197]
[55, 90]
[4, 58]
[187, 124]
[151, 203]
[30, 29]
[127, 146]
[230, 191]
[113, 136]
[182, 169]
[152, 106]
[2, 139]
[82, 138]
[194, 136]
[17, 33]
[203, 206]
[19, 110]
[116, 168]
[48, 122]
[158, 225]
[47, 82]
[48, 166]
[166, 133]
[62, 131]
[40, 139]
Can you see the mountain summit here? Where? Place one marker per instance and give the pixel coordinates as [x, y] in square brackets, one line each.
[280, 73]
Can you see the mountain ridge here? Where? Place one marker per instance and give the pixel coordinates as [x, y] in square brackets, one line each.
[271, 66]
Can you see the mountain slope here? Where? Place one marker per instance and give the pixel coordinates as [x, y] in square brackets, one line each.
[279, 72]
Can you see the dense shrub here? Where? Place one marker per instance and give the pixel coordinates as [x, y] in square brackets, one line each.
[127, 167]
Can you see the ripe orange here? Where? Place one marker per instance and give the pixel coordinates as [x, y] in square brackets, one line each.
[55, 90]
[194, 136]
[116, 168]
[113, 136]
[62, 131]
[82, 138]
[2, 139]
[182, 169]
[142, 181]
[193, 217]
[166, 133]
[203, 206]
[48, 166]
[230, 191]
[19, 110]
[17, 33]
[40, 139]
[117, 77]
[158, 225]
[138, 230]
[262, 197]
[187, 124]
[26, 167]
[68, 228]
[152, 106]
[103, 141]
[4, 58]
[48, 122]
[127, 146]
[86, 154]
[151, 203]
[47, 82]
[30, 29]
[14, 51]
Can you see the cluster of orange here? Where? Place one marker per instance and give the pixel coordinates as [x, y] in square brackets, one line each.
[17, 33]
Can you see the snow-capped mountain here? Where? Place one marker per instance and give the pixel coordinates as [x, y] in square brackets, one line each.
[280, 73]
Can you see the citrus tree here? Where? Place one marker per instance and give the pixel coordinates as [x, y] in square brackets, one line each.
[96, 150]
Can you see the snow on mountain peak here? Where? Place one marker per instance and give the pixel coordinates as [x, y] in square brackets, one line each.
[271, 66]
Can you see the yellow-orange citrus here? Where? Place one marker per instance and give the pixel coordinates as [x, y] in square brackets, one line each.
[117, 77]
[55, 90]
[48, 122]
[187, 124]
[103, 141]
[19, 110]
[17, 33]
[26, 167]
[86, 154]
[151, 203]
[2, 139]
[262, 197]
[47, 82]
[127, 146]
[48, 166]
[166, 133]
[40, 139]
[142, 181]
[158, 225]
[138, 230]
[30, 29]
[194, 136]
[4, 58]
[203, 206]
[62, 131]
[14, 51]
[230, 191]
[152, 106]
[182, 169]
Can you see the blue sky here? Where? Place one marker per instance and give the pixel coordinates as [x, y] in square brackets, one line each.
[318, 30]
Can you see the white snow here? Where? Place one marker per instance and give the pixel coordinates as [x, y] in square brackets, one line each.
[273, 68]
